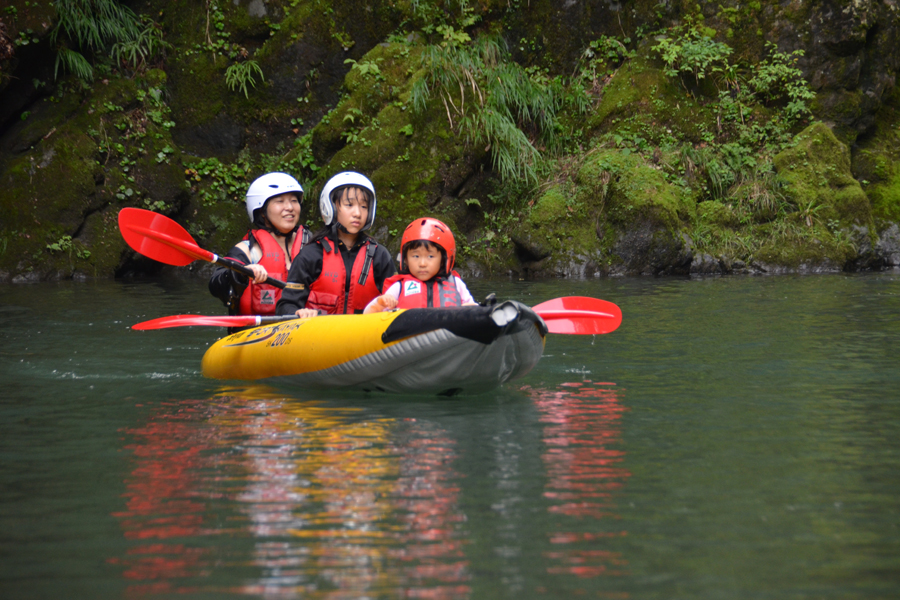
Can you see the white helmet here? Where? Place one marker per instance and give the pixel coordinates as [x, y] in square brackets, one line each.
[267, 186]
[326, 207]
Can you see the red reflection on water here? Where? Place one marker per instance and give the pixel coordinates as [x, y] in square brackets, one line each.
[338, 508]
[583, 453]
[430, 547]
[162, 499]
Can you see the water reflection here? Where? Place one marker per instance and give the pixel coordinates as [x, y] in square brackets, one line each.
[164, 500]
[583, 455]
[332, 502]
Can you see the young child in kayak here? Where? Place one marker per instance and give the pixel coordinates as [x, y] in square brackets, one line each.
[342, 268]
[427, 278]
[273, 241]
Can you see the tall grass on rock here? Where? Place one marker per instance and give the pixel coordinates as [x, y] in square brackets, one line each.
[490, 100]
[87, 28]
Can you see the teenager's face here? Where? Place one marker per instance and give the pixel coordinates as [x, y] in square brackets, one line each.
[352, 209]
[424, 263]
[283, 212]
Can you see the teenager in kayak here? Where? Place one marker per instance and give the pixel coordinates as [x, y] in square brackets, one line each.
[427, 278]
[273, 241]
[342, 269]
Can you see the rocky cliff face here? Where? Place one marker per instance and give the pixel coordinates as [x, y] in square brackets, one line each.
[651, 163]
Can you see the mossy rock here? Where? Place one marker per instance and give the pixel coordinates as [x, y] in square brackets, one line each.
[386, 75]
[642, 94]
[631, 190]
[797, 248]
[412, 158]
[620, 215]
[841, 107]
[557, 236]
[66, 186]
[550, 207]
[885, 198]
[817, 174]
[876, 162]
[642, 215]
[717, 213]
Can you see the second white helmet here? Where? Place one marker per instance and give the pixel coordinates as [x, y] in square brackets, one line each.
[326, 206]
[269, 185]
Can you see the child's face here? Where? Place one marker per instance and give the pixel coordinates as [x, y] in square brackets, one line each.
[352, 209]
[423, 263]
[283, 212]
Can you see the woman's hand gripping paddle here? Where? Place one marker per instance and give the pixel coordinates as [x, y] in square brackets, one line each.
[160, 238]
[579, 315]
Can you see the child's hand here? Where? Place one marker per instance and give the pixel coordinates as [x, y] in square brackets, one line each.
[381, 304]
[387, 302]
[259, 273]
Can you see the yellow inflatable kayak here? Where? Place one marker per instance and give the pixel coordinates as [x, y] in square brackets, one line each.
[424, 350]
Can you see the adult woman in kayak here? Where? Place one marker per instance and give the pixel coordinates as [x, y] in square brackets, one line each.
[275, 238]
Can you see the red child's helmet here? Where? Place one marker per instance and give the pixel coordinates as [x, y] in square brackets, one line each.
[433, 231]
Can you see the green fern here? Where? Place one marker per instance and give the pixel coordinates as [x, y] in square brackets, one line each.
[90, 26]
[138, 51]
[489, 99]
[93, 24]
[239, 75]
[73, 62]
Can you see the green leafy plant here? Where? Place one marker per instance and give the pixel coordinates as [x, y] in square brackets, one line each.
[691, 49]
[156, 205]
[344, 40]
[75, 63]
[137, 51]
[486, 97]
[366, 68]
[601, 57]
[240, 75]
[89, 26]
[777, 78]
[66, 244]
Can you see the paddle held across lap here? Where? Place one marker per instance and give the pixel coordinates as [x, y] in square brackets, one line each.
[567, 315]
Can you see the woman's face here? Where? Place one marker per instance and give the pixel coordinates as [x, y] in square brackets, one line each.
[283, 212]
[352, 209]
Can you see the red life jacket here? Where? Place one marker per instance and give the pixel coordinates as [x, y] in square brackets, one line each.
[414, 293]
[328, 292]
[260, 298]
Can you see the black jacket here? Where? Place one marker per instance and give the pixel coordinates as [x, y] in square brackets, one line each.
[228, 285]
[307, 267]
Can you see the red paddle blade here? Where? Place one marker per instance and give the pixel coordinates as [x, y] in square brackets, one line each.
[579, 315]
[201, 320]
[160, 238]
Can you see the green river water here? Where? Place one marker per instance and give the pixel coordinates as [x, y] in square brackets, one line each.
[736, 438]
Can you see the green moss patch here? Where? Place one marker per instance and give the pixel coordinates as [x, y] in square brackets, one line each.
[629, 189]
[817, 173]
